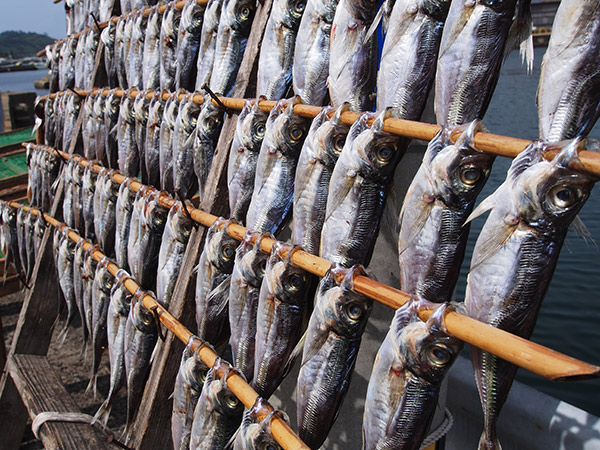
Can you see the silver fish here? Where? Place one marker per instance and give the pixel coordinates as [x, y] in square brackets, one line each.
[433, 232]
[91, 45]
[276, 167]
[188, 386]
[234, 28]
[108, 37]
[274, 75]
[319, 154]
[120, 52]
[118, 311]
[66, 78]
[112, 105]
[88, 187]
[30, 253]
[88, 127]
[353, 55]
[123, 211]
[152, 144]
[205, 138]
[473, 44]
[172, 248]
[569, 92]
[10, 246]
[357, 191]
[38, 232]
[77, 182]
[409, 56]
[255, 434]
[72, 109]
[151, 56]
[166, 150]
[244, 289]
[105, 205]
[64, 266]
[79, 61]
[105, 9]
[22, 239]
[140, 340]
[182, 145]
[208, 41]
[140, 109]
[243, 156]
[331, 347]
[53, 57]
[79, 272]
[99, 130]
[188, 44]
[129, 157]
[126, 53]
[218, 412]
[212, 282]
[135, 58]
[50, 120]
[282, 305]
[169, 31]
[516, 254]
[87, 275]
[311, 54]
[404, 385]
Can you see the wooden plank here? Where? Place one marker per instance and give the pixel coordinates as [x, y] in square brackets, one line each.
[13, 181]
[15, 193]
[41, 390]
[11, 285]
[154, 416]
[2, 348]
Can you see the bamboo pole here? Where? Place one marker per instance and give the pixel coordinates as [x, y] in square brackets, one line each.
[494, 144]
[531, 356]
[146, 12]
[281, 431]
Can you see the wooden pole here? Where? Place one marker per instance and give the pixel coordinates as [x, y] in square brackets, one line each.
[533, 357]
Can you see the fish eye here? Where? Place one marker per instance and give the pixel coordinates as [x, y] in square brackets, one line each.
[269, 446]
[262, 267]
[439, 355]
[295, 282]
[231, 401]
[228, 251]
[562, 196]
[296, 133]
[470, 175]
[259, 129]
[384, 154]
[202, 377]
[339, 142]
[354, 311]
[245, 12]
[299, 7]
[210, 124]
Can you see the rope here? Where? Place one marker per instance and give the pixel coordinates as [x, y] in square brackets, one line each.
[440, 431]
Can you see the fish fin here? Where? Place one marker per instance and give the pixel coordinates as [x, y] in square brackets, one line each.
[230, 443]
[583, 231]
[337, 195]
[295, 353]
[488, 247]
[378, 18]
[92, 385]
[391, 213]
[103, 413]
[521, 34]
[487, 444]
[221, 291]
[486, 205]
[416, 226]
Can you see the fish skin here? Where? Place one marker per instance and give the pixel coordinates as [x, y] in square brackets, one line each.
[99, 130]
[212, 283]
[218, 412]
[105, 9]
[243, 156]
[64, 267]
[151, 51]
[66, 77]
[102, 285]
[182, 145]
[433, 229]
[88, 187]
[407, 374]
[79, 271]
[471, 51]
[140, 339]
[118, 311]
[152, 225]
[135, 58]
[135, 232]
[91, 46]
[38, 232]
[357, 191]
[87, 127]
[108, 37]
[516, 253]
[129, 157]
[141, 106]
[53, 57]
[244, 289]
[172, 249]
[126, 52]
[569, 92]
[59, 108]
[152, 144]
[331, 347]
[208, 41]
[10, 246]
[89, 271]
[255, 434]
[188, 44]
[409, 56]
[29, 224]
[79, 61]
[105, 203]
[311, 54]
[205, 138]
[77, 182]
[274, 75]
[73, 104]
[318, 156]
[50, 119]
[123, 212]
[188, 386]
[166, 150]
[111, 119]
[276, 167]
[234, 28]
[169, 32]
[282, 305]
[120, 52]
[21, 239]
[353, 61]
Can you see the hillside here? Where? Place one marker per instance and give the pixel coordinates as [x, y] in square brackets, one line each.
[19, 44]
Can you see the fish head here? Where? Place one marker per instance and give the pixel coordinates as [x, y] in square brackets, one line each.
[180, 222]
[253, 125]
[376, 151]
[221, 248]
[140, 107]
[155, 215]
[238, 14]
[108, 35]
[363, 10]
[192, 17]
[253, 261]
[194, 372]
[143, 319]
[291, 12]
[76, 174]
[99, 105]
[331, 136]
[112, 105]
[104, 278]
[499, 6]
[285, 281]
[119, 293]
[288, 130]
[549, 194]
[210, 121]
[219, 395]
[437, 9]
[126, 109]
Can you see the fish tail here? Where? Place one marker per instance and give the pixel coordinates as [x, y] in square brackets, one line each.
[92, 385]
[103, 412]
[489, 441]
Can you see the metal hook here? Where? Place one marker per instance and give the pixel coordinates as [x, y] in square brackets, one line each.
[81, 97]
[216, 98]
[95, 21]
[185, 208]
[161, 335]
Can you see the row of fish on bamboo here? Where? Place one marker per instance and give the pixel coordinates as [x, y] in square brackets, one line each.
[464, 97]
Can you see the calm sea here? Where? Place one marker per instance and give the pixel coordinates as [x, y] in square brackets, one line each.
[570, 315]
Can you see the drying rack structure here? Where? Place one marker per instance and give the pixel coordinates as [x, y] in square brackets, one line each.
[30, 386]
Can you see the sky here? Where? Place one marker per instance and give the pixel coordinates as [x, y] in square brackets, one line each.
[40, 16]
